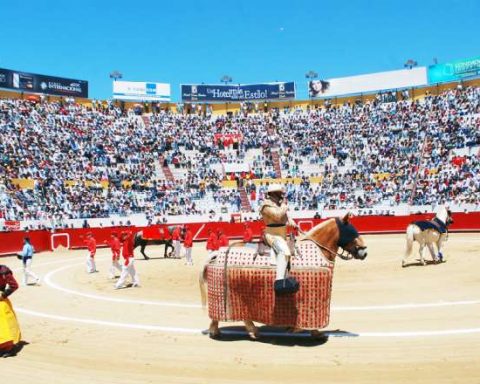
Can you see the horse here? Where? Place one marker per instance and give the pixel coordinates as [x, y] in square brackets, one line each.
[142, 243]
[241, 288]
[428, 233]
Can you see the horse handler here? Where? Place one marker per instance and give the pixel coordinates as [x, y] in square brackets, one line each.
[129, 264]
[176, 238]
[115, 246]
[188, 244]
[91, 244]
[9, 329]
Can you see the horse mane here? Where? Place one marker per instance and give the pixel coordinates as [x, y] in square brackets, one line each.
[442, 214]
[324, 227]
[318, 227]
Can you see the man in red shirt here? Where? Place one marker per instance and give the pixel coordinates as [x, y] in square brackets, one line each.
[222, 239]
[128, 268]
[247, 234]
[92, 249]
[212, 242]
[115, 246]
[176, 241]
[9, 328]
[188, 244]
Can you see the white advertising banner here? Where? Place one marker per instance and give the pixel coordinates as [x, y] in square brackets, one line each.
[380, 81]
[141, 91]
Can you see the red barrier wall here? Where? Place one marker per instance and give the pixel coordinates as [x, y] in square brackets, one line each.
[12, 242]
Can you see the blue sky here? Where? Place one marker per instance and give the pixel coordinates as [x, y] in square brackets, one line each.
[252, 41]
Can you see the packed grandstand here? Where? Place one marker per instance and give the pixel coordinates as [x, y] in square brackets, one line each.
[62, 160]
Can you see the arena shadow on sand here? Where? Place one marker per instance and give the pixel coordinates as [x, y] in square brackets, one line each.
[280, 336]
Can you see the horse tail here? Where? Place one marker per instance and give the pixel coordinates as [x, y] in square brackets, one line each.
[202, 280]
[410, 239]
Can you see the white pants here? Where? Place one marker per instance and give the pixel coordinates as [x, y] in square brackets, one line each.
[91, 264]
[27, 272]
[281, 251]
[128, 270]
[178, 246]
[115, 266]
[188, 255]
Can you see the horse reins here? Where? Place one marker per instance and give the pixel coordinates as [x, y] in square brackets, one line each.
[341, 255]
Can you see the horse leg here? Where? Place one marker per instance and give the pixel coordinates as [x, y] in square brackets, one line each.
[252, 330]
[422, 251]
[409, 249]
[165, 251]
[439, 247]
[432, 252]
[142, 251]
[213, 330]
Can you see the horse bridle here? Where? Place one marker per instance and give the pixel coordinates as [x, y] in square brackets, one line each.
[349, 255]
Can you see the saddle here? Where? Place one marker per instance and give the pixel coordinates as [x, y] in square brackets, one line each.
[263, 249]
[307, 255]
[434, 224]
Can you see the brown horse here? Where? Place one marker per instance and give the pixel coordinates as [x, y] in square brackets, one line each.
[240, 281]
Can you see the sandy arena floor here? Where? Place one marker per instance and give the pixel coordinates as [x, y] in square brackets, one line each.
[417, 324]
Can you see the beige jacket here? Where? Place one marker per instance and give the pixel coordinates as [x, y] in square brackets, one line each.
[275, 218]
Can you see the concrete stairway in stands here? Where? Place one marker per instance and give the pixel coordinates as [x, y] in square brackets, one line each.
[146, 120]
[276, 164]
[166, 170]
[246, 207]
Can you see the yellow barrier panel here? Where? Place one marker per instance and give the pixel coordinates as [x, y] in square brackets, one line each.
[24, 183]
[316, 179]
[229, 184]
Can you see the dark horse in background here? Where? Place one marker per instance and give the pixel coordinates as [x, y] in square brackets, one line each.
[142, 243]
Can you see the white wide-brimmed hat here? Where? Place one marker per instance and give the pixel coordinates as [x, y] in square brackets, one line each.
[275, 188]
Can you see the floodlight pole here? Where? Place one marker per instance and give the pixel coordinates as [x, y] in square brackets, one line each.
[115, 75]
[410, 63]
[226, 79]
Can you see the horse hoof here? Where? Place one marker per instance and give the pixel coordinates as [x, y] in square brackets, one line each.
[404, 264]
[214, 335]
[147, 258]
[316, 334]
[253, 335]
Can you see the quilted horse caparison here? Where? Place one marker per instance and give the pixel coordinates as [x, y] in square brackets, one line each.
[244, 290]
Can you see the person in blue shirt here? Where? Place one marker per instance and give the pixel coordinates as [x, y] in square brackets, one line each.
[26, 257]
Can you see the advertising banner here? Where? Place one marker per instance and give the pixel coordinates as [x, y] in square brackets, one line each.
[50, 85]
[241, 92]
[141, 91]
[454, 71]
[372, 82]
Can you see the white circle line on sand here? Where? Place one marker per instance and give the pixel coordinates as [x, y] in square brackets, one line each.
[51, 284]
[108, 323]
[197, 331]
[40, 265]
[48, 281]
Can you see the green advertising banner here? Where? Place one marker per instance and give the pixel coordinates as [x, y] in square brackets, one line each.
[454, 71]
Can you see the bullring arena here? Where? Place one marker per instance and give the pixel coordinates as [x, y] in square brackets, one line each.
[388, 324]
[159, 123]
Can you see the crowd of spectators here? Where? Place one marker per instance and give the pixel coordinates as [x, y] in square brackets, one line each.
[99, 161]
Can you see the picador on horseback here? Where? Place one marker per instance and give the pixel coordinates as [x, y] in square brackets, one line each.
[274, 214]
